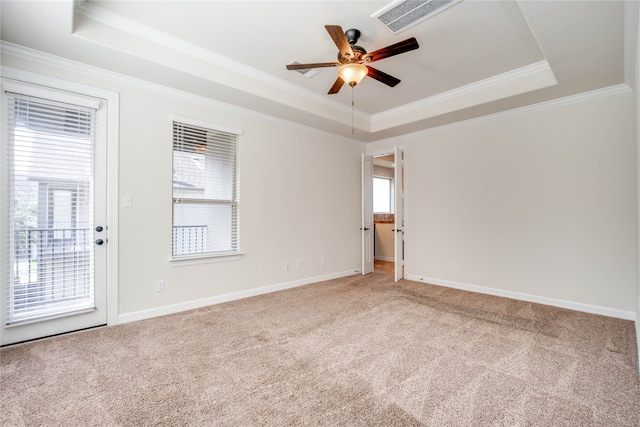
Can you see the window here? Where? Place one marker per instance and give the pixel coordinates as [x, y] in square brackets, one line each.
[205, 190]
[382, 195]
[48, 206]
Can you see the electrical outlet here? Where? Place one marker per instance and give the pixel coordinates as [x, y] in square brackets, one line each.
[287, 266]
[299, 263]
[454, 266]
[160, 286]
[323, 261]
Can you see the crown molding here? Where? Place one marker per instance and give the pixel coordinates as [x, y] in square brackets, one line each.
[111, 76]
[541, 106]
[122, 79]
[525, 79]
[137, 29]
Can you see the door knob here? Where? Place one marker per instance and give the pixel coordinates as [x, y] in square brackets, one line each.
[99, 242]
[99, 228]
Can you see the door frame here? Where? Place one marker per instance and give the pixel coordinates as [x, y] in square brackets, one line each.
[391, 149]
[398, 239]
[367, 228]
[112, 101]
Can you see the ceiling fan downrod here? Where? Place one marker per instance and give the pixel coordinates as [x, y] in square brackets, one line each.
[352, 35]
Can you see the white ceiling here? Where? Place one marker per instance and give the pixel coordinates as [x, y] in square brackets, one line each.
[475, 58]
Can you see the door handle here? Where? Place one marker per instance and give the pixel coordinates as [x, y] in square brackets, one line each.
[397, 231]
[99, 242]
[99, 228]
[365, 229]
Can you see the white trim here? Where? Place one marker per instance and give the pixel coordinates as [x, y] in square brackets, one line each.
[113, 124]
[637, 321]
[525, 79]
[382, 144]
[113, 197]
[113, 77]
[570, 305]
[153, 35]
[205, 259]
[40, 91]
[385, 258]
[205, 302]
[78, 67]
[47, 317]
[490, 82]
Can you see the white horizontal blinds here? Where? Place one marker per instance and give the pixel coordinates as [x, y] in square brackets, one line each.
[205, 191]
[49, 208]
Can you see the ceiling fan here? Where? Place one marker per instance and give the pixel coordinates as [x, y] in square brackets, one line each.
[352, 59]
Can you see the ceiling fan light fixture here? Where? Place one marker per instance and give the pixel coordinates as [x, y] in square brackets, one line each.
[352, 74]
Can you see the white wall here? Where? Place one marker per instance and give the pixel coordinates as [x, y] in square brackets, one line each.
[291, 208]
[636, 82]
[540, 204]
[384, 237]
[383, 171]
[385, 243]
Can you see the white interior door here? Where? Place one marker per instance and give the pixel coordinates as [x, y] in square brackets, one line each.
[54, 230]
[367, 214]
[399, 213]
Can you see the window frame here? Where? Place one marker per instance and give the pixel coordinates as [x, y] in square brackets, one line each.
[392, 207]
[204, 257]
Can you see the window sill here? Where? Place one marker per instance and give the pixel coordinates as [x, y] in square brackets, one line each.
[205, 259]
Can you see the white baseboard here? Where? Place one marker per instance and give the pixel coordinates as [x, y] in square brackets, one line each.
[191, 305]
[638, 336]
[385, 258]
[586, 308]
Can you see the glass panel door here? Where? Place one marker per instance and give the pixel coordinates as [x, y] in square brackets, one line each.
[49, 220]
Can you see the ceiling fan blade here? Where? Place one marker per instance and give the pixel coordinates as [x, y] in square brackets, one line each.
[316, 65]
[394, 49]
[382, 77]
[336, 86]
[336, 33]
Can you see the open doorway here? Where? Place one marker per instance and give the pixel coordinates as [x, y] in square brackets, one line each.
[389, 211]
[384, 213]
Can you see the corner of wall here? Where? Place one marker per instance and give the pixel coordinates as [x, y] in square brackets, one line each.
[632, 55]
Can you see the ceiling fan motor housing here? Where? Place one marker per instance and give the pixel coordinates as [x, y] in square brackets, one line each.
[358, 55]
[352, 35]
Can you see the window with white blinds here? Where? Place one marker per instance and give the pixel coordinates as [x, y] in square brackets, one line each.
[48, 207]
[205, 191]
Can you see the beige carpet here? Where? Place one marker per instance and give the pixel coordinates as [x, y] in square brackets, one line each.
[358, 351]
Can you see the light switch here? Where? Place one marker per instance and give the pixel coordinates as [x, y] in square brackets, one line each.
[127, 202]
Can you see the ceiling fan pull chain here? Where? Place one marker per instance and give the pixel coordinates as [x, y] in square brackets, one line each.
[353, 131]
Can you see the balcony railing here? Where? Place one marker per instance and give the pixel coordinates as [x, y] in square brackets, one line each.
[51, 265]
[189, 239]
[54, 265]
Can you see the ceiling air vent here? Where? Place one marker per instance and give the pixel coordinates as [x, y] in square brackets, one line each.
[402, 14]
[307, 72]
